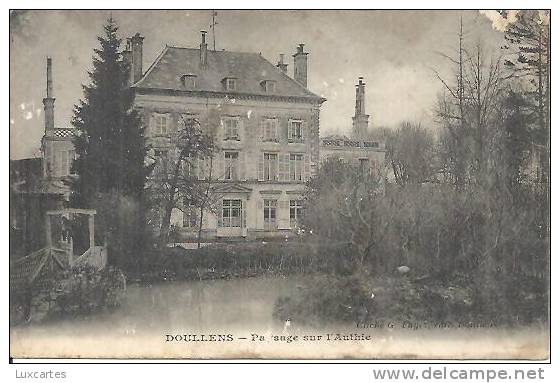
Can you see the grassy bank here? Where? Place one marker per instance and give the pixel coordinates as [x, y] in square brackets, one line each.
[240, 260]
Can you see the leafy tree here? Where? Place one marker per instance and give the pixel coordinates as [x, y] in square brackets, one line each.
[110, 148]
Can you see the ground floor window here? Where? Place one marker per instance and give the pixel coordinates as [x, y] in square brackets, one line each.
[296, 209]
[231, 213]
[190, 215]
[270, 214]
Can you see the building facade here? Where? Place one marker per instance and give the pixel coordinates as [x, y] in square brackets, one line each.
[265, 125]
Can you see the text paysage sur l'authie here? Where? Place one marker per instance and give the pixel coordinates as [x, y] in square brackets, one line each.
[340, 337]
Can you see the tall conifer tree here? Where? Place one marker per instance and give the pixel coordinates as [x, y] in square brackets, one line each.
[110, 147]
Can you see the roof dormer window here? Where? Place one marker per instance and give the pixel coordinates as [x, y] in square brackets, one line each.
[230, 83]
[269, 86]
[188, 81]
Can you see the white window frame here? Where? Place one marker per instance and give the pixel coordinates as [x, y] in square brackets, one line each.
[231, 165]
[270, 166]
[230, 83]
[292, 137]
[161, 124]
[232, 207]
[231, 132]
[270, 214]
[297, 163]
[270, 129]
[296, 211]
[189, 81]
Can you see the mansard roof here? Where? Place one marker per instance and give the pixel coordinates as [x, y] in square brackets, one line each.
[249, 70]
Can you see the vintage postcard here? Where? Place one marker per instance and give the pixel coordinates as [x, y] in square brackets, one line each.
[280, 184]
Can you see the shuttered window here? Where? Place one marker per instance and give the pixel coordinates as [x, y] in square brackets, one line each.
[270, 165]
[231, 162]
[295, 131]
[160, 124]
[270, 129]
[231, 128]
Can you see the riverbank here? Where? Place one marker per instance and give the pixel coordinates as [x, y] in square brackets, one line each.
[241, 260]
[242, 308]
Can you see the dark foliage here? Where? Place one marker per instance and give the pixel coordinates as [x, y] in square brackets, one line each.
[111, 149]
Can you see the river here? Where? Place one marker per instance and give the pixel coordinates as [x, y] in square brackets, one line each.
[242, 309]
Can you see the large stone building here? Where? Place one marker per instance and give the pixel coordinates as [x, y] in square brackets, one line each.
[266, 129]
[364, 147]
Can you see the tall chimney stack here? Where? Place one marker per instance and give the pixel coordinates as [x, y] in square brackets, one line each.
[281, 65]
[127, 58]
[360, 120]
[48, 102]
[300, 66]
[137, 42]
[203, 50]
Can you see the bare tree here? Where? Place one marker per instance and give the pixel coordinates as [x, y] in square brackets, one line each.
[172, 182]
[410, 153]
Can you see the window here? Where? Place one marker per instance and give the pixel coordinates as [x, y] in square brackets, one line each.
[364, 167]
[270, 214]
[161, 157]
[160, 124]
[296, 210]
[190, 214]
[270, 166]
[296, 167]
[269, 129]
[63, 164]
[231, 213]
[295, 131]
[190, 168]
[230, 83]
[188, 81]
[231, 165]
[231, 129]
[268, 86]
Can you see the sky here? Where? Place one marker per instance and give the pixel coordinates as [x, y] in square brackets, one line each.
[395, 51]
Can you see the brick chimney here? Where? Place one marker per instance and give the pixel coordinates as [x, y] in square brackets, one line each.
[137, 41]
[360, 120]
[48, 102]
[203, 50]
[300, 66]
[281, 65]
